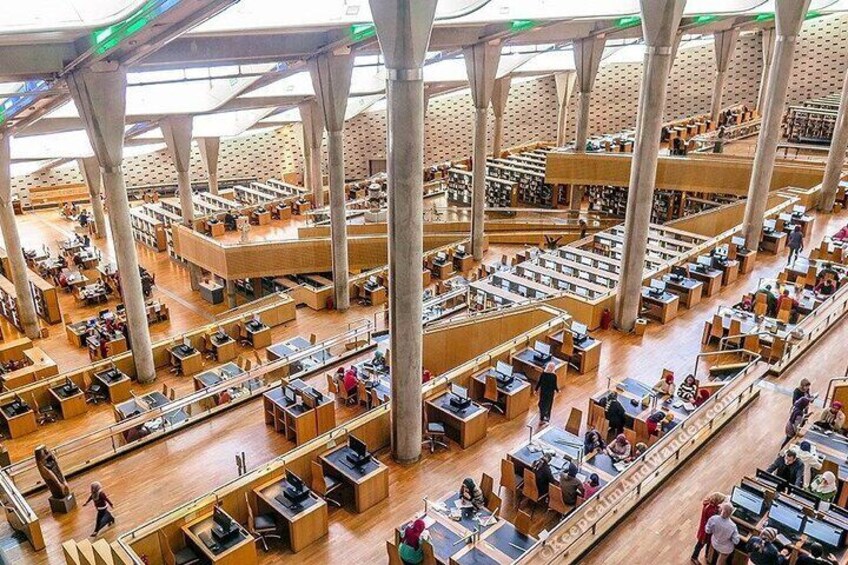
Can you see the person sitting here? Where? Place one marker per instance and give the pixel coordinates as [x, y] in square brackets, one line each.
[570, 485]
[784, 298]
[591, 485]
[832, 417]
[825, 288]
[842, 234]
[762, 550]
[789, 468]
[815, 556]
[703, 396]
[471, 493]
[688, 389]
[544, 474]
[824, 486]
[350, 381]
[771, 299]
[747, 304]
[653, 422]
[665, 385]
[638, 451]
[410, 548]
[426, 375]
[378, 361]
[593, 441]
[619, 449]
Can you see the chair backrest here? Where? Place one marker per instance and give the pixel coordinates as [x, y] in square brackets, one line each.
[781, 277]
[490, 392]
[361, 391]
[801, 282]
[761, 306]
[332, 385]
[567, 343]
[319, 485]
[429, 553]
[555, 501]
[761, 298]
[251, 525]
[394, 554]
[530, 489]
[487, 485]
[508, 475]
[575, 417]
[313, 339]
[751, 343]
[522, 522]
[165, 547]
[494, 504]
[735, 326]
[778, 348]
[375, 398]
[784, 313]
[717, 329]
[342, 392]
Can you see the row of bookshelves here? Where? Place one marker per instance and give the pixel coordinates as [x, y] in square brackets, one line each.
[500, 193]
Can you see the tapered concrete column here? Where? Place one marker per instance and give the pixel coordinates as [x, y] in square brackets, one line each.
[230, 287]
[675, 46]
[481, 64]
[725, 47]
[177, 132]
[313, 133]
[100, 98]
[587, 59]
[565, 84]
[660, 20]
[500, 94]
[210, 148]
[403, 29]
[90, 170]
[836, 156]
[12, 242]
[789, 15]
[331, 74]
[767, 44]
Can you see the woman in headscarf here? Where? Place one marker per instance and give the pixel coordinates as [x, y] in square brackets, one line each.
[824, 486]
[666, 384]
[410, 548]
[591, 485]
[807, 456]
[593, 441]
[709, 508]
[619, 449]
[832, 417]
[796, 419]
[547, 387]
[762, 550]
[470, 492]
[102, 504]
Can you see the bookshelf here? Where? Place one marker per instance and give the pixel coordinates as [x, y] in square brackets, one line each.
[500, 193]
[146, 229]
[46, 299]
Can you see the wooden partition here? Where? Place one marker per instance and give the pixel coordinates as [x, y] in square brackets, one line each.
[711, 223]
[711, 174]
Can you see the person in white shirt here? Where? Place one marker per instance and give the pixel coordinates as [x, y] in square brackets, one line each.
[724, 534]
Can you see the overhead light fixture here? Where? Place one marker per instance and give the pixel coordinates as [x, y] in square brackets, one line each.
[522, 25]
[768, 16]
[705, 19]
[628, 21]
[813, 14]
[359, 32]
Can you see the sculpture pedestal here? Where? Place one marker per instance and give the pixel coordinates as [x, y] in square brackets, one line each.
[375, 217]
[63, 505]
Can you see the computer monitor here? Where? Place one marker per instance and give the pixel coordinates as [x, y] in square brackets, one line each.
[738, 241]
[503, 368]
[295, 482]
[799, 210]
[787, 517]
[658, 286]
[459, 391]
[579, 329]
[522, 290]
[705, 261]
[224, 522]
[581, 290]
[372, 280]
[678, 271]
[357, 446]
[187, 342]
[550, 265]
[826, 533]
[803, 496]
[441, 257]
[460, 250]
[542, 347]
[768, 479]
[785, 217]
[256, 319]
[289, 395]
[769, 225]
[748, 501]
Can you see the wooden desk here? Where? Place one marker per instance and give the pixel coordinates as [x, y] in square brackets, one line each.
[216, 229]
[746, 260]
[710, 277]
[442, 271]
[19, 423]
[260, 337]
[117, 385]
[687, 289]
[377, 295]
[304, 524]
[297, 421]
[730, 271]
[661, 308]
[587, 355]
[240, 551]
[466, 426]
[225, 350]
[774, 242]
[190, 363]
[525, 362]
[370, 483]
[463, 263]
[514, 396]
[71, 401]
[262, 218]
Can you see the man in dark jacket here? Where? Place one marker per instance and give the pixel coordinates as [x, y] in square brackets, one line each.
[615, 414]
[570, 485]
[789, 468]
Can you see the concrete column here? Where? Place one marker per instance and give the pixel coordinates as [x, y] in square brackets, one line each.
[500, 94]
[725, 47]
[210, 147]
[12, 242]
[331, 74]
[565, 83]
[767, 38]
[836, 156]
[313, 133]
[587, 58]
[789, 15]
[675, 46]
[403, 29]
[100, 98]
[481, 64]
[660, 20]
[231, 293]
[90, 169]
[177, 132]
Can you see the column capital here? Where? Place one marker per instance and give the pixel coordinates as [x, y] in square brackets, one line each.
[89, 168]
[587, 59]
[403, 30]
[177, 133]
[789, 16]
[100, 98]
[481, 64]
[331, 73]
[565, 83]
[660, 20]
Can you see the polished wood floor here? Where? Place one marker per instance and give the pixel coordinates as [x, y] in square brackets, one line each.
[167, 473]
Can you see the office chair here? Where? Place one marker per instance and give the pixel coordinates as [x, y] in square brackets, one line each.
[95, 393]
[487, 485]
[511, 479]
[323, 485]
[184, 556]
[262, 526]
[44, 414]
[434, 434]
[574, 419]
[490, 394]
[394, 553]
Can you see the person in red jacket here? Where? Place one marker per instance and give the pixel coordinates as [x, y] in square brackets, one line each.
[709, 508]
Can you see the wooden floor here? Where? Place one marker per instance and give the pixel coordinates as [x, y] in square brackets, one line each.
[175, 470]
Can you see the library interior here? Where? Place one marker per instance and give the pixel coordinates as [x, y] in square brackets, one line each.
[424, 281]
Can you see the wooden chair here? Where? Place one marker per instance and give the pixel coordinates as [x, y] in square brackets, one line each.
[522, 523]
[394, 554]
[490, 394]
[530, 490]
[781, 277]
[184, 556]
[776, 350]
[555, 501]
[760, 306]
[487, 485]
[323, 485]
[751, 342]
[313, 339]
[362, 392]
[494, 504]
[332, 386]
[575, 417]
[262, 526]
[716, 329]
[429, 553]
[801, 282]
[510, 479]
[375, 398]
[784, 314]
[735, 330]
[567, 350]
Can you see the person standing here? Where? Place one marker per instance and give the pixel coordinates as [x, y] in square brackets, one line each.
[615, 415]
[724, 534]
[709, 508]
[803, 389]
[546, 386]
[795, 243]
[102, 505]
[796, 419]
